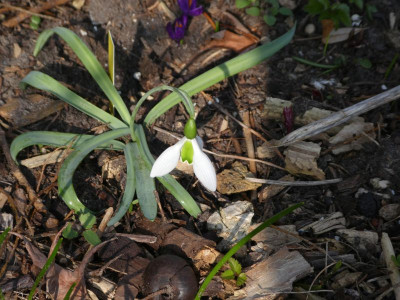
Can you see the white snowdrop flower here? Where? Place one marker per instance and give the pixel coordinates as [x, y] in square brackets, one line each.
[188, 149]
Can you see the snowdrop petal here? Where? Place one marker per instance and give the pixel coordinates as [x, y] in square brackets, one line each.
[203, 168]
[168, 160]
[200, 142]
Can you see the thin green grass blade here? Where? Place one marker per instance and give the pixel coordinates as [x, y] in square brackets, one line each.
[91, 64]
[242, 242]
[3, 235]
[144, 183]
[46, 83]
[229, 68]
[65, 187]
[130, 185]
[57, 139]
[314, 64]
[68, 294]
[2, 238]
[44, 269]
[173, 186]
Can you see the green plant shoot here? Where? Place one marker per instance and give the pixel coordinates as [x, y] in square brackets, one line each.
[124, 134]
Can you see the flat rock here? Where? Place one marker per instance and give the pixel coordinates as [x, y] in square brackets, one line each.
[231, 223]
[272, 239]
[390, 211]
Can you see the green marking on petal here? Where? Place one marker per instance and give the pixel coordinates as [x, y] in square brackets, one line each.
[187, 152]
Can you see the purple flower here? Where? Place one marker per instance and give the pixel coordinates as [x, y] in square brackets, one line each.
[190, 8]
[176, 30]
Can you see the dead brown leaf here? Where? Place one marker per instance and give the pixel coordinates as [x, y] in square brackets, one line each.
[340, 35]
[58, 279]
[228, 39]
[231, 181]
[346, 140]
[301, 158]
[24, 111]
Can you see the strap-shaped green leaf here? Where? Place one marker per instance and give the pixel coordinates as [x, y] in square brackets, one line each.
[129, 186]
[46, 83]
[220, 72]
[65, 187]
[168, 181]
[57, 139]
[90, 62]
[144, 183]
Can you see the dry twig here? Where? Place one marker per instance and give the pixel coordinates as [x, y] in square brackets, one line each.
[294, 183]
[224, 111]
[33, 198]
[34, 11]
[340, 117]
[394, 274]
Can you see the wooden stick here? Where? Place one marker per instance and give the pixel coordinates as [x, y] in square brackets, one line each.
[224, 111]
[11, 7]
[340, 117]
[394, 274]
[294, 183]
[16, 172]
[249, 142]
[35, 10]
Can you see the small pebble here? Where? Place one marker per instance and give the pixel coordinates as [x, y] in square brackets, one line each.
[309, 29]
[390, 211]
[392, 20]
[367, 205]
[383, 87]
[83, 32]
[137, 75]
[379, 184]
[355, 20]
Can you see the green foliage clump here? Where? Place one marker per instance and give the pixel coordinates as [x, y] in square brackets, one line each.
[338, 12]
[269, 9]
[234, 272]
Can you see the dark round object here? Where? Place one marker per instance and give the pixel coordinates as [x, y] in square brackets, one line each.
[367, 205]
[172, 271]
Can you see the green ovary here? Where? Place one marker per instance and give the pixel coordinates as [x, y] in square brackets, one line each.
[187, 152]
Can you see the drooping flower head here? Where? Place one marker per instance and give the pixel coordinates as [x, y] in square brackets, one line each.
[177, 29]
[188, 149]
[190, 8]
